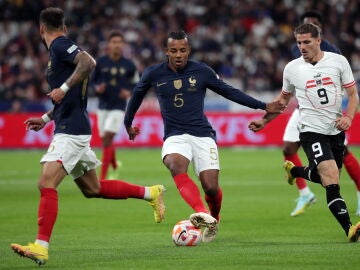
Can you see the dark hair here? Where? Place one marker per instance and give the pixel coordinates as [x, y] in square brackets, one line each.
[115, 34]
[306, 28]
[312, 14]
[178, 35]
[53, 18]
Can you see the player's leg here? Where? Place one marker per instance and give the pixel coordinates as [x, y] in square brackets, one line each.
[108, 154]
[52, 173]
[325, 155]
[101, 117]
[207, 167]
[329, 174]
[290, 148]
[176, 155]
[109, 123]
[112, 126]
[352, 166]
[206, 164]
[85, 177]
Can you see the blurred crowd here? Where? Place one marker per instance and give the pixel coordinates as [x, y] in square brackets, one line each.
[247, 42]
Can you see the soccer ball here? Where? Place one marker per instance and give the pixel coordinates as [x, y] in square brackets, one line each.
[185, 233]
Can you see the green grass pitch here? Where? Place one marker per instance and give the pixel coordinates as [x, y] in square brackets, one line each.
[256, 230]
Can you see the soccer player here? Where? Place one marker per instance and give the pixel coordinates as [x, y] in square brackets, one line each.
[113, 78]
[291, 135]
[69, 152]
[180, 85]
[319, 80]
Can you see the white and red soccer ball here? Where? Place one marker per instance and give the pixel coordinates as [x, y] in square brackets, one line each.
[185, 233]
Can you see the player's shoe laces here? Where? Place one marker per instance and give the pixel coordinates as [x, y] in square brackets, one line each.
[354, 233]
[288, 165]
[303, 202]
[157, 202]
[33, 251]
[204, 220]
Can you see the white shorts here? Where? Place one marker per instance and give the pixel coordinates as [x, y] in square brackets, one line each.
[291, 133]
[74, 152]
[202, 151]
[109, 120]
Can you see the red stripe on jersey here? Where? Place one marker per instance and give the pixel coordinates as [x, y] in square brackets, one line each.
[59, 161]
[310, 84]
[326, 79]
[326, 83]
[349, 84]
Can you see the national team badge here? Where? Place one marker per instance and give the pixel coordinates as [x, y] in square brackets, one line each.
[192, 82]
[318, 82]
[177, 84]
[113, 71]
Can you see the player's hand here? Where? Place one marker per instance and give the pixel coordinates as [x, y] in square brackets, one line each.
[124, 94]
[57, 95]
[343, 123]
[257, 125]
[133, 132]
[34, 124]
[100, 88]
[275, 107]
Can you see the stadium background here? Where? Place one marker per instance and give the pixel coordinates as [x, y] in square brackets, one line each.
[252, 40]
[246, 42]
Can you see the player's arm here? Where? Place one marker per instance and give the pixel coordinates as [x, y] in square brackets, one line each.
[124, 94]
[344, 122]
[235, 95]
[138, 94]
[85, 63]
[37, 123]
[259, 124]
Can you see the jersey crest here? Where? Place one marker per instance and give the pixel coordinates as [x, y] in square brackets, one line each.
[178, 84]
[192, 82]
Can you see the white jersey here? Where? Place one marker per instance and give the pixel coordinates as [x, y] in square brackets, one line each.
[319, 90]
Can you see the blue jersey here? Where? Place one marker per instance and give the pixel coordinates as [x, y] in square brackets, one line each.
[116, 75]
[181, 97]
[324, 46]
[70, 114]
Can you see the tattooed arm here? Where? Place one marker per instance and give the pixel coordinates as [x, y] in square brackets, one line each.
[85, 63]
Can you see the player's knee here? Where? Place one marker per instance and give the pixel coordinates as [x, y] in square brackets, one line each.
[45, 183]
[211, 189]
[176, 168]
[91, 192]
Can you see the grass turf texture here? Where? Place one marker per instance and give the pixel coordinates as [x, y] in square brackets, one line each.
[256, 230]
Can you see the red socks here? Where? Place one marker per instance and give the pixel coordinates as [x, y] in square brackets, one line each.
[300, 182]
[47, 213]
[113, 158]
[48, 205]
[189, 192]
[106, 160]
[117, 189]
[214, 204]
[353, 168]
